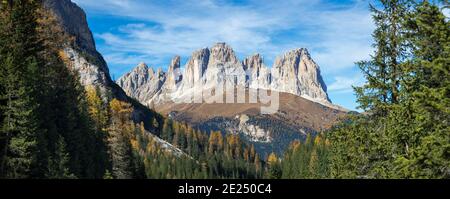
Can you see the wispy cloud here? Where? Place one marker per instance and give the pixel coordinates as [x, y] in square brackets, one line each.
[336, 34]
[345, 84]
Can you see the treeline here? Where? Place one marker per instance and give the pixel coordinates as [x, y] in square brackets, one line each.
[308, 160]
[405, 132]
[181, 152]
[302, 160]
[212, 155]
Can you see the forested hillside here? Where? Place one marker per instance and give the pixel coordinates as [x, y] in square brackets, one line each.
[46, 130]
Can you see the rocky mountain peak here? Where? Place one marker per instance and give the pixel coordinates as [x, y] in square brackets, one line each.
[142, 82]
[82, 53]
[160, 72]
[173, 74]
[142, 65]
[196, 66]
[289, 61]
[142, 68]
[258, 74]
[294, 72]
[144, 71]
[174, 64]
[139, 76]
[253, 62]
[221, 52]
[73, 21]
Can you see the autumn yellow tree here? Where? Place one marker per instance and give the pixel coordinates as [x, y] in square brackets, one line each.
[272, 159]
[313, 164]
[274, 167]
[119, 139]
[97, 108]
[215, 142]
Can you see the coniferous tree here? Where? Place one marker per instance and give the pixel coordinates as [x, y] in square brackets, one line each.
[274, 168]
[378, 96]
[405, 136]
[422, 134]
[383, 72]
[18, 46]
[58, 164]
[118, 140]
[54, 109]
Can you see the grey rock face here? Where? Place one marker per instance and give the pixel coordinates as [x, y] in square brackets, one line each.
[84, 58]
[196, 67]
[295, 72]
[73, 20]
[222, 53]
[90, 74]
[136, 79]
[173, 74]
[82, 53]
[142, 83]
[253, 132]
[258, 75]
[224, 68]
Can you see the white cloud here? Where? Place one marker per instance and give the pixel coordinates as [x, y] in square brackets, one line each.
[337, 35]
[447, 12]
[343, 84]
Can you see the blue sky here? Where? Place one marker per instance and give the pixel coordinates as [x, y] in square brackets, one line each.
[336, 32]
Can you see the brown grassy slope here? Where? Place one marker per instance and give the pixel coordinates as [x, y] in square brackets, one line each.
[294, 110]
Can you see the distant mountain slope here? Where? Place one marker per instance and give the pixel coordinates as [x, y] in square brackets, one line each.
[293, 110]
[296, 118]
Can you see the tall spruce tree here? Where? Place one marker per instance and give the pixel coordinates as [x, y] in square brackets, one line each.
[423, 132]
[384, 71]
[58, 164]
[18, 47]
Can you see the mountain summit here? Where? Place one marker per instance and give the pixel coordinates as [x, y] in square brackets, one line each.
[295, 72]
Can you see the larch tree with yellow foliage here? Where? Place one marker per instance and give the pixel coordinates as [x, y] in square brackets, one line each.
[273, 167]
[119, 140]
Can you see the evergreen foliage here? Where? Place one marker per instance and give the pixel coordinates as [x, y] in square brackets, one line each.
[46, 129]
[405, 133]
[309, 159]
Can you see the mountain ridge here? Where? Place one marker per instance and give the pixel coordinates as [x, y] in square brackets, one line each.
[294, 72]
